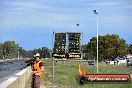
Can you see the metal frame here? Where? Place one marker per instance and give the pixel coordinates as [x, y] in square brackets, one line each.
[67, 43]
[67, 59]
[97, 46]
[53, 60]
[63, 60]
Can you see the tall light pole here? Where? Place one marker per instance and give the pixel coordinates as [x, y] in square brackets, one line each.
[18, 48]
[18, 57]
[96, 13]
[77, 25]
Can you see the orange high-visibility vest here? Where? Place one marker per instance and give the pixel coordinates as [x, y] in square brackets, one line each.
[37, 68]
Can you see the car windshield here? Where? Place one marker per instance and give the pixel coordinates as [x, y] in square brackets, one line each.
[130, 58]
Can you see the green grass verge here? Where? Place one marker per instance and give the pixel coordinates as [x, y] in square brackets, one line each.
[66, 73]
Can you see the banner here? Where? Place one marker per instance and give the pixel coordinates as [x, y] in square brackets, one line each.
[104, 78]
[67, 56]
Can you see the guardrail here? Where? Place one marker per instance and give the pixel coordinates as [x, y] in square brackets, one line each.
[18, 80]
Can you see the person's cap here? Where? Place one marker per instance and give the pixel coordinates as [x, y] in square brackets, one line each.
[37, 55]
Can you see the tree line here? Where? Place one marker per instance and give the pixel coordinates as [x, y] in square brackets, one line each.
[10, 50]
[44, 52]
[110, 47]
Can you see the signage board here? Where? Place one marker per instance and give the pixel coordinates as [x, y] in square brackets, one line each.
[67, 45]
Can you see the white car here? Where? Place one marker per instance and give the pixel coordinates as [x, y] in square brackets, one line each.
[129, 61]
[121, 61]
[110, 62]
[117, 61]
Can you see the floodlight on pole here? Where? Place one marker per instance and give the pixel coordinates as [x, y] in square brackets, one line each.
[97, 13]
[77, 24]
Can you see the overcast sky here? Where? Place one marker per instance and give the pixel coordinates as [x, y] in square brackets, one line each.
[31, 22]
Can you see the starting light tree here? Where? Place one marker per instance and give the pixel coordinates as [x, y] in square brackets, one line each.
[67, 45]
[74, 42]
[60, 43]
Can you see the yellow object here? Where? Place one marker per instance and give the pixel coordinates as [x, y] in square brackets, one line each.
[81, 70]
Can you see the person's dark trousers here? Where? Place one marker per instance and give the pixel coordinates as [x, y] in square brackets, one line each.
[36, 81]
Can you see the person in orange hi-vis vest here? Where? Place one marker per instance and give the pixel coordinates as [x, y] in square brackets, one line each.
[37, 70]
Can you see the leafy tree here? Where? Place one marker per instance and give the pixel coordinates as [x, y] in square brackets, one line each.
[9, 49]
[28, 54]
[44, 52]
[1, 51]
[130, 49]
[110, 46]
[25, 53]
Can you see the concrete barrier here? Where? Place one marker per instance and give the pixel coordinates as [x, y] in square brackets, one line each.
[18, 80]
[131, 76]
